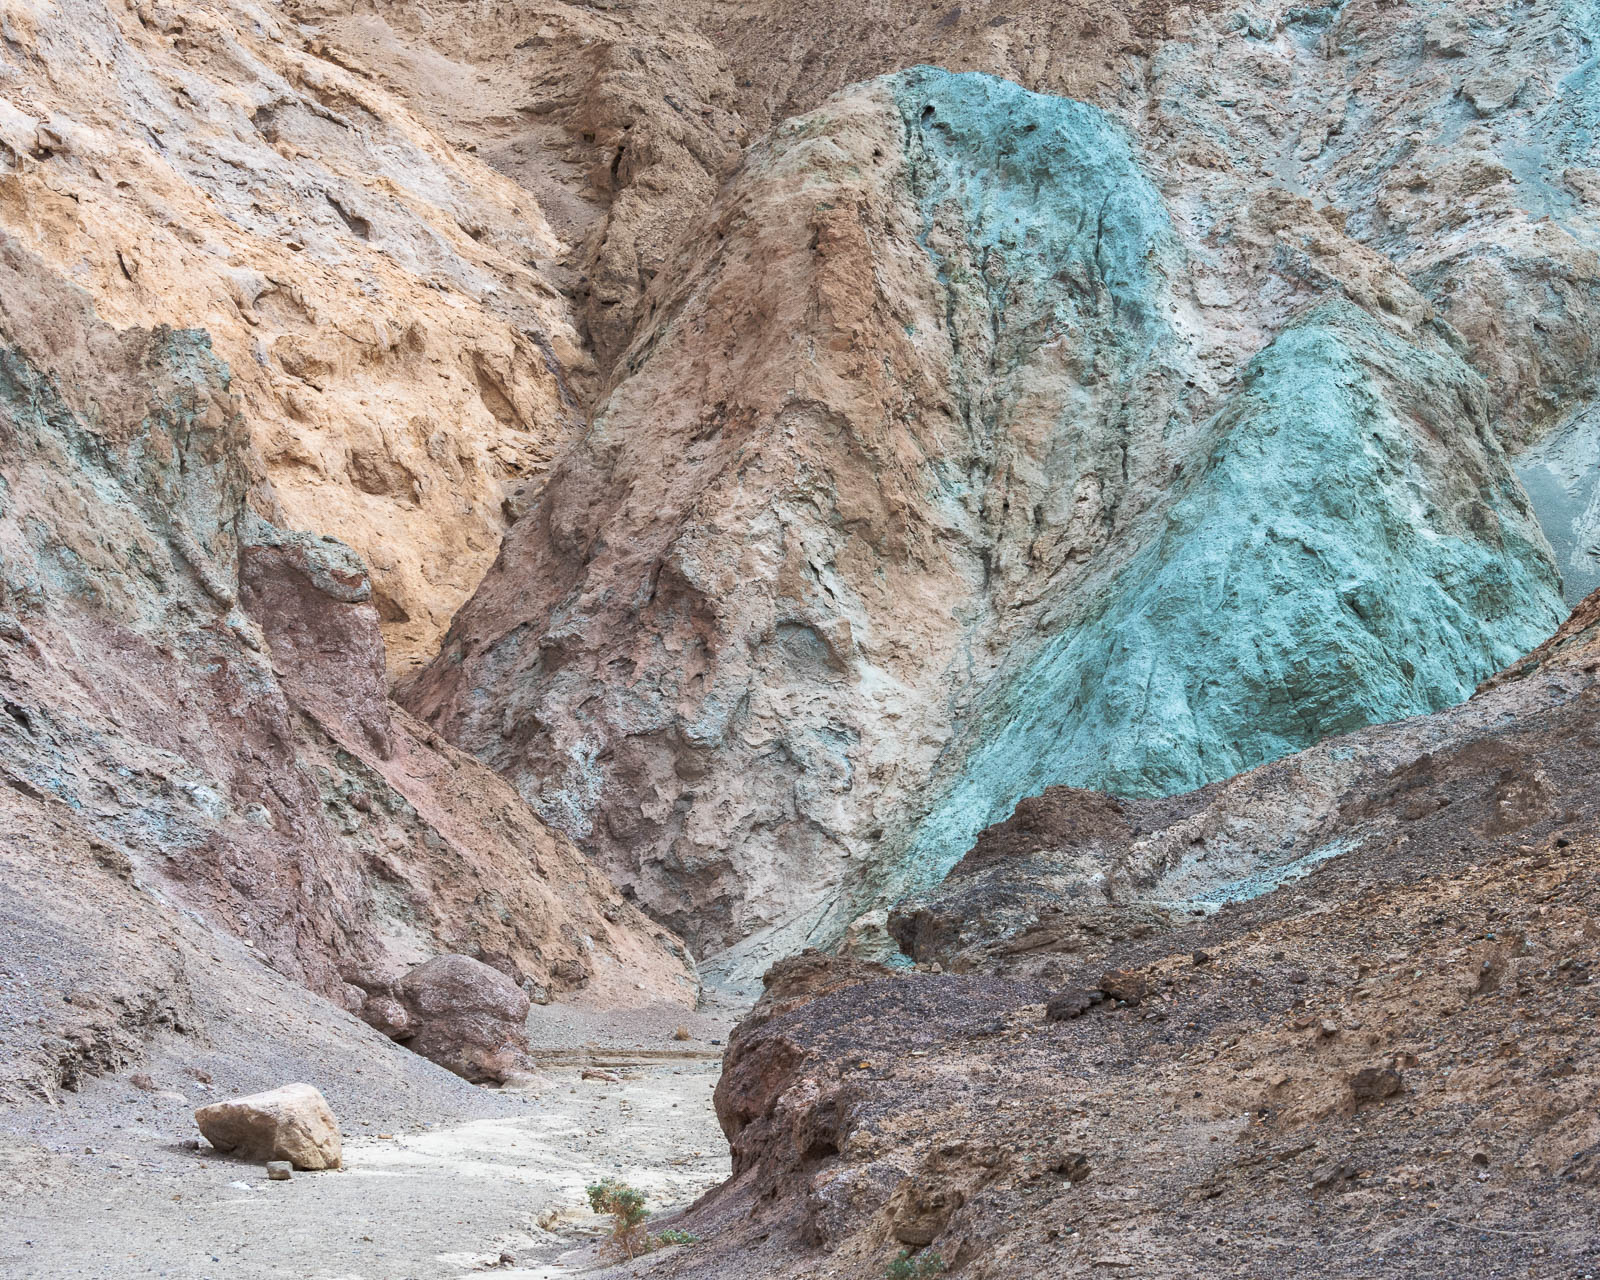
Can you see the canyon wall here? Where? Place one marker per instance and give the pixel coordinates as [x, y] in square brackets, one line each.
[971, 447]
[197, 698]
[375, 291]
[1148, 394]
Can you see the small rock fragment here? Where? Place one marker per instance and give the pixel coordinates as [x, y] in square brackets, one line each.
[1074, 1002]
[279, 1170]
[1125, 985]
[1373, 1083]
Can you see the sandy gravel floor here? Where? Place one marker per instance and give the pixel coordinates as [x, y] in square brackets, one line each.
[109, 1185]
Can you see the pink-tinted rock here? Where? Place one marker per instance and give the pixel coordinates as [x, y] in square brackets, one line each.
[468, 1018]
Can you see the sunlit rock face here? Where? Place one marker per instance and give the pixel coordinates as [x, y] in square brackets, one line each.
[935, 480]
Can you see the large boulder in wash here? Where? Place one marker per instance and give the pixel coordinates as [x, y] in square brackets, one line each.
[292, 1123]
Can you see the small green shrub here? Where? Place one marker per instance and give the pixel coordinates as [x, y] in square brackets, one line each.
[673, 1236]
[906, 1267]
[625, 1204]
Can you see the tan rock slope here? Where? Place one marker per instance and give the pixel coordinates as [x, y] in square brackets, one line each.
[195, 707]
[377, 292]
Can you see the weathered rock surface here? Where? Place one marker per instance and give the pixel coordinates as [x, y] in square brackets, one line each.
[1390, 1031]
[939, 477]
[376, 291]
[1070, 869]
[195, 710]
[464, 1015]
[423, 238]
[293, 1123]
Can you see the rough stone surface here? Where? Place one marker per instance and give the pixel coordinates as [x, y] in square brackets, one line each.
[427, 239]
[195, 713]
[467, 1017]
[968, 491]
[1394, 1025]
[376, 291]
[292, 1124]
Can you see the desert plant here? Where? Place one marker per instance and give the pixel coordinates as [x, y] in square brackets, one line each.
[907, 1267]
[673, 1236]
[625, 1204]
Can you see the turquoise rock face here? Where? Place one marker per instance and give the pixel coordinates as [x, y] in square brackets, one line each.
[1058, 217]
[1317, 576]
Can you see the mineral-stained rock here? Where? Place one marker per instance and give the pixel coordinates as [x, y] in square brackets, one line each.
[959, 496]
[467, 1017]
[373, 289]
[195, 706]
[1498, 767]
[293, 1123]
[1318, 866]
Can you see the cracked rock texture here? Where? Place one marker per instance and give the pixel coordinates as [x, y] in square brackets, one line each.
[983, 440]
[197, 698]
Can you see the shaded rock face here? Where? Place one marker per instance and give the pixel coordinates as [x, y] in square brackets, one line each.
[195, 707]
[1562, 476]
[964, 493]
[293, 1123]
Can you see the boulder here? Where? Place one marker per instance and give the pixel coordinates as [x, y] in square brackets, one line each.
[467, 1017]
[388, 1015]
[292, 1123]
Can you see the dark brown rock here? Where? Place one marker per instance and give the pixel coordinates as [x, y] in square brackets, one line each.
[1125, 985]
[1372, 1084]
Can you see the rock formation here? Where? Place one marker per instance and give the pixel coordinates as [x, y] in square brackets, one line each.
[198, 698]
[293, 1124]
[375, 291]
[459, 1012]
[948, 466]
[1349, 986]
[1080, 493]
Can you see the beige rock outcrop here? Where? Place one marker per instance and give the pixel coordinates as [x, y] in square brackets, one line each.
[376, 292]
[293, 1123]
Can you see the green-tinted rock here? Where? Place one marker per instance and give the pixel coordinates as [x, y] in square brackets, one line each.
[1343, 559]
